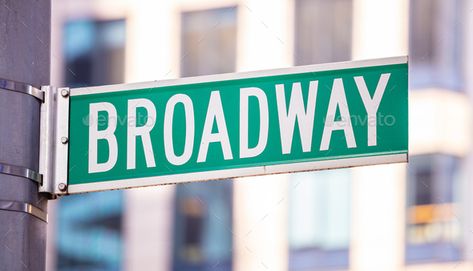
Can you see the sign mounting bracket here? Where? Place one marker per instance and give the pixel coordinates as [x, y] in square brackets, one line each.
[54, 141]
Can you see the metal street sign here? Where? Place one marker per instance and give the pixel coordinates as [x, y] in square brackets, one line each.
[242, 124]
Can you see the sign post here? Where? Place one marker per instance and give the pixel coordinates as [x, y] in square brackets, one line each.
[232, 125]
[24, 57]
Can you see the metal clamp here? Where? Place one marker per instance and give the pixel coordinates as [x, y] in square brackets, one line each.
[23, 207]
[22, 88]
[20, 172]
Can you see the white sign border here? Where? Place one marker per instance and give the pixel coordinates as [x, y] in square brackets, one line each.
[244, 171]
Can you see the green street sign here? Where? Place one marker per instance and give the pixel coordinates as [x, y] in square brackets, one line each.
[242, 124]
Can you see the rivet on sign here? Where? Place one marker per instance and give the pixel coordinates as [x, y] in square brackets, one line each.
[62, 187]
[64, 140]
[64, 93]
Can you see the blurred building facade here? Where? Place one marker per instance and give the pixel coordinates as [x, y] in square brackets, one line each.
[389, 217]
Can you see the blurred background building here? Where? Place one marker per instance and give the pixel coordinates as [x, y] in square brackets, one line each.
[390, 217]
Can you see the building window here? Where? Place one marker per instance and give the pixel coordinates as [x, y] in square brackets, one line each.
[323, 31]
[433, 225]
[90, 225]
[94, 52]
[208, 42]
[203, 226]
[434, 44]
[89, 232]
[319, 220]
[203, 221]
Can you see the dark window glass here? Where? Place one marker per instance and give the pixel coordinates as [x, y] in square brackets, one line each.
[208, 42]
[203, 226]
[422, 37]
[94, 52]
[434, 44]
[422, 181]
[433, 227]
[322, 31]
[89, 232]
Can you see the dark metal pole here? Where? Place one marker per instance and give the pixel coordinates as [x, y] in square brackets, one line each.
[24, 57]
